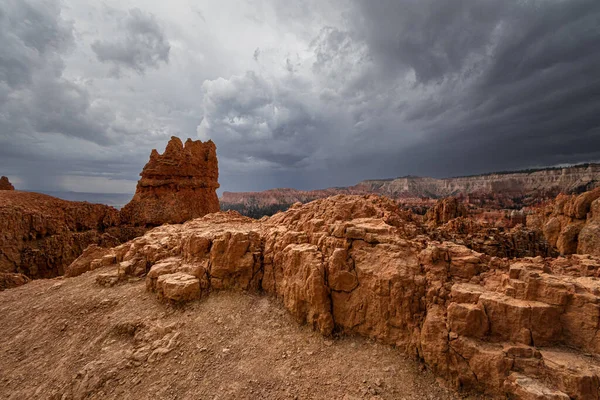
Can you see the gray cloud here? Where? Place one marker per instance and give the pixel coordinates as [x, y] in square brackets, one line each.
[445, 88]
[31, 36]
[143, 44]
[49, 123]
[322, 93]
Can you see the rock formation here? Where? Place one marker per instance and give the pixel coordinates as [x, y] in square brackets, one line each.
[446, 210]
[525, 328]
[571, 223]
[5, 184]
[518, 241]
[490, 191]
[495, 233]
[176, 186]
[41, 235]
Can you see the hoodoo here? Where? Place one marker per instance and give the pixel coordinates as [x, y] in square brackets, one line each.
[5, 184]
[176, 186]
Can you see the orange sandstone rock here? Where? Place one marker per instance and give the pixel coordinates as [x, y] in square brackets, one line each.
[41, 235]
[5, 184]
[445, 210]
[176, 186]
[525, 328]
[571, 223]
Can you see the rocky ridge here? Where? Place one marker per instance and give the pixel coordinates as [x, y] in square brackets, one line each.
[526, 328]
[176, 186]
[496, 190]
[41, 235]
[5, 184]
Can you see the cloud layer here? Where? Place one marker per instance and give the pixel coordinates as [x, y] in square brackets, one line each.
[311, 95]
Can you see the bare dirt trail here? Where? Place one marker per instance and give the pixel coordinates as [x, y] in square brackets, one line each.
[71, 339]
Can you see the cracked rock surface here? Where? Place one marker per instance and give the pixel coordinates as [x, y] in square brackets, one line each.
[526, 328]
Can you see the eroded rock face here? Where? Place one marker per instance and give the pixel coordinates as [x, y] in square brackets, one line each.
[571, 223]
[176, 186]
[446, 210]
[498, 233]
[5, 184]
[41, 235]
[526, 328]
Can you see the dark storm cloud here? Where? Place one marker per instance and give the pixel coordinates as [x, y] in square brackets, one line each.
[442, 88]
[434, 38]
[143, 44]
[45, 118]
[32, 34]
[33, 39]
[535, 100]
[318, 93]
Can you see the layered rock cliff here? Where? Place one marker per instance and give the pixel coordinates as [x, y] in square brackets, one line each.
[41, 235]
[524, 328]
[498, 190]
[5, 184]
[176, 186]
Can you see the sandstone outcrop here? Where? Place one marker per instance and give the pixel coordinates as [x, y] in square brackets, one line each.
[526, 328]
[11, 280]
[5, 184]
[571, 223]
[41, 235]
[446, 210]
[176, 186]
[495, 233]
[519, 241]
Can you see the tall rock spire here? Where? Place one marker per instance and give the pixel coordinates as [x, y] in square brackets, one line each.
[176, 186]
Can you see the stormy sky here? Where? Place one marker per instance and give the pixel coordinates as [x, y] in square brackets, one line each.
[304, 94]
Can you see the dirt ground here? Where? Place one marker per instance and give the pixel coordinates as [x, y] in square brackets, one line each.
[72, 339]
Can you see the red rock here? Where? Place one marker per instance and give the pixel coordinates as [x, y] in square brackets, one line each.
[5, 184]
[446, 210]
[90, 259]
[41, 235]
[176, 186]
[352, 264]
[11, 280]
[178, 287]
[571, 223]
[495, 191]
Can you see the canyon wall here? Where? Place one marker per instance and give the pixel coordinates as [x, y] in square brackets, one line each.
[499, 190]
[176, 186]
[41, 235]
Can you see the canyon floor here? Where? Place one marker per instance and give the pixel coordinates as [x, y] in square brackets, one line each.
[72, 339]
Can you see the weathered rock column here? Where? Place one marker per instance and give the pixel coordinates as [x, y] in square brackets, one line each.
[5, 184]
[176, 186]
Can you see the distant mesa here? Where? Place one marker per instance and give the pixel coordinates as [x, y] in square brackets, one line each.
[5, 184]
[176, 186]
[504, 190]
